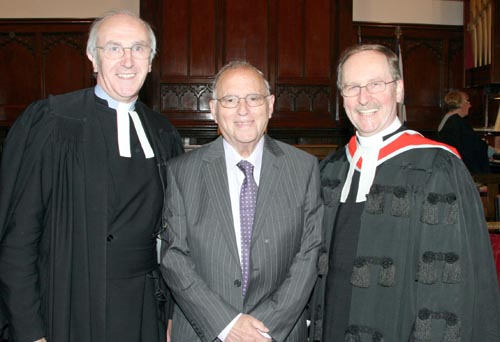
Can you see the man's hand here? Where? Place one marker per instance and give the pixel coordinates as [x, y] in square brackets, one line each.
[246, 329]
[41, 340]
[169, 330]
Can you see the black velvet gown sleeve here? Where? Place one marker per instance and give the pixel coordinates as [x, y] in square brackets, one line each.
[22, 206]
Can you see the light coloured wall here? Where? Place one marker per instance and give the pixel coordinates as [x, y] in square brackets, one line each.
[62, 8]
[409, 11]
[386, 11]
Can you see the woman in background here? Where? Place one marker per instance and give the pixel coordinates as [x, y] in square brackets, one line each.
[454, 130]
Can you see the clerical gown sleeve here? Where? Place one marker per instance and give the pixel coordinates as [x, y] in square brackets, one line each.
[480, 300]
[21, 219]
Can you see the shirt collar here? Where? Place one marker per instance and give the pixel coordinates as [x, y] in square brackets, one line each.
[112, 103]
[232, 158]
[377, 138]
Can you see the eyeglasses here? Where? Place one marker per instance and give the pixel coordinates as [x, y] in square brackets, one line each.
[372, 88]
[232, 101]
[116, 51]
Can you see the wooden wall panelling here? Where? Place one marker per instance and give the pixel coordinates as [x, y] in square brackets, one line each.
[65, 66]
[304, 39]
[40, 57]
[456, 76]
[187, 39]
[294, 42]
[304, 79]
[246, 32]
[20, 83]
[426, 85]
[187, 60]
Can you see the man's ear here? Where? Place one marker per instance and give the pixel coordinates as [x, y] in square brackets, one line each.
[95, 66]
[400, 91]
[213, 109]
[270, 103]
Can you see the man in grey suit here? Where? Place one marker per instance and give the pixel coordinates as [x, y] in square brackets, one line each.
[231, 284]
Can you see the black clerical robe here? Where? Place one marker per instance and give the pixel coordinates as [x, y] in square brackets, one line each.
[67, 235]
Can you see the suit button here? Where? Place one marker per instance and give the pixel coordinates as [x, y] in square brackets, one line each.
[237, 283]
[110, 238]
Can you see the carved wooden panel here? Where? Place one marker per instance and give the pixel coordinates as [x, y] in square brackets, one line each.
[305, 106]
[291, 41]
[186, 101]
[40, 57]
[186, 37]
[428, 54]
[308, 98]
[296, 43]
[304, 39]
[19, 84]
[456, 62]
[245, 34]
[65, 66]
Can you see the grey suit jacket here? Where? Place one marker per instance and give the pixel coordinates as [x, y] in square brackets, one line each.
[200, 259]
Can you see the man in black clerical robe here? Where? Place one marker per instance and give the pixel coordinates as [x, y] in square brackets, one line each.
[81, 201]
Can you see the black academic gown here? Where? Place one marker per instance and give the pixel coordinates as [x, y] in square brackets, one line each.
[55, 217]
[411, 263]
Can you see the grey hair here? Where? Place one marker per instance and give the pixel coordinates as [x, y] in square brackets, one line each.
[392, 60]
[237, 64]
[94, 32]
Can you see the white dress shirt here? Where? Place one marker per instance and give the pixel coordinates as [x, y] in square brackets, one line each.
[235, 179]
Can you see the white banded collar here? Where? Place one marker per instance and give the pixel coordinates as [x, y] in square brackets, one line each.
[123, 112]
[367, 152]
[366, 160]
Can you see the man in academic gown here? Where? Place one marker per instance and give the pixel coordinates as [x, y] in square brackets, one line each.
[82, 186]
[406, 249]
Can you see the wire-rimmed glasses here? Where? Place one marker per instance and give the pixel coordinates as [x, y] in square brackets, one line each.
[371, 87]
[116, 51]
[232, 101]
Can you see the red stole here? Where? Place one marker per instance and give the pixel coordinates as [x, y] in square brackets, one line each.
[399, 143]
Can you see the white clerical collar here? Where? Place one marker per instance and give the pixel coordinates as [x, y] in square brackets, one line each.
[443, 121]
[368, 150]
[393, 127]
[123, 111]
[112, 103]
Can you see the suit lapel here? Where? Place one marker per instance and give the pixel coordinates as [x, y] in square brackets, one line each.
[272, 166]
[215, 177]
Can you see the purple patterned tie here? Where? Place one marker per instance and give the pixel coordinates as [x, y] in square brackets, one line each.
[248, 200]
